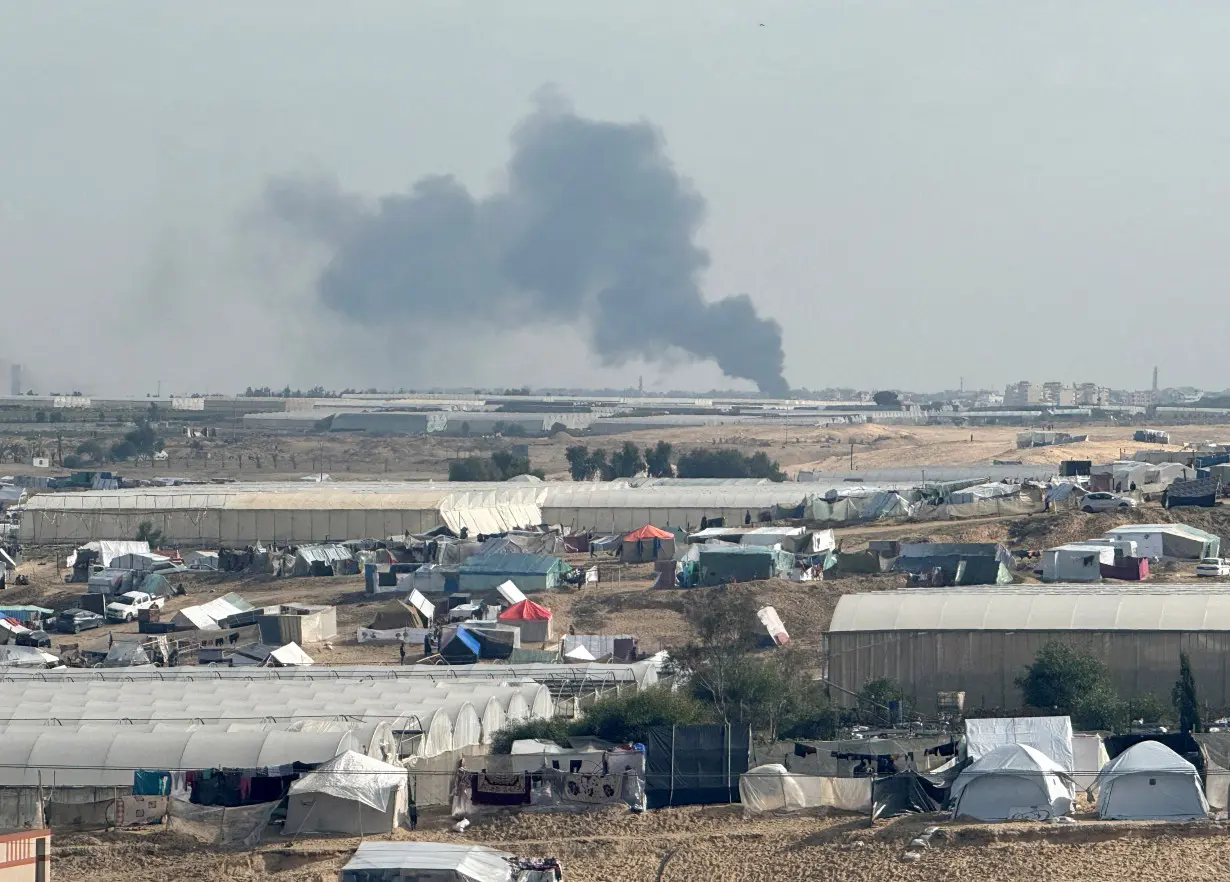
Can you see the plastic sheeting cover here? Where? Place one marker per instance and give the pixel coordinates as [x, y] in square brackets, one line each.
[771, 788]
[355, 777]
[1052, 736]
[456, 863]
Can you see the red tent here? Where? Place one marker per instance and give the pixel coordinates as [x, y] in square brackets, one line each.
[649, 531]
[526, 610]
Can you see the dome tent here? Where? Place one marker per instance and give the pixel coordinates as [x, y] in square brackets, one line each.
[1012, 782]
[1150, 782]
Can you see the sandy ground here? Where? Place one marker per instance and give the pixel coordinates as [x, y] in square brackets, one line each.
[695, 844]
[245, 455]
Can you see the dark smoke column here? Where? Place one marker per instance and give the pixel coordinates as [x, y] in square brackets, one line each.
[596, 229]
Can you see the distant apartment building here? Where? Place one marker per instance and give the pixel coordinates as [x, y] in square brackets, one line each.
[1023, 392]
[1058, 394]
[1092, 395]
[1143, 398]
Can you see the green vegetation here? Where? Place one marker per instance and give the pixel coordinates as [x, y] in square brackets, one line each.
[499, 466]
[727, 462]
[1186, 703]
[147, 533]
[1063, 680]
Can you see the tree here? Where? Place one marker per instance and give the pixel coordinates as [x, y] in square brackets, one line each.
[887, 398]
[473, 468]
[876, 694]
[1059, 677]
[599, 466]
[73, 461]
[40, 416]
[122, 451]
[627, 462]
[556, 729]
[93, 449]
[724, 630]
[658, 461]
[578, 462]
[1186, 703]
[57, 416]
[556, 428]
[727, 462]
[147, 533]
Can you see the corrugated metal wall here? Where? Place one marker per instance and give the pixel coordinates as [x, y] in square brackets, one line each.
[985, 664]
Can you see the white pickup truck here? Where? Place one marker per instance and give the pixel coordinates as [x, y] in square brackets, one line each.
[126, 606]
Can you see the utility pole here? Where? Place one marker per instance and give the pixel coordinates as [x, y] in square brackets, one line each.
[851, 456]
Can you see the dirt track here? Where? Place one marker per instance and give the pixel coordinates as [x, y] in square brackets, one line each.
[692, 844]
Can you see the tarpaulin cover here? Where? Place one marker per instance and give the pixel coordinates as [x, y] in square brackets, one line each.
[649, 531]
[770, 788]
[1050, 735]
[526, 609]
[430, 861]
[695, 765]
[1215, 753]
[904, 793]
[355, 777]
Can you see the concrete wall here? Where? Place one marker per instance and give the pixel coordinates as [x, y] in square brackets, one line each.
[984, 664]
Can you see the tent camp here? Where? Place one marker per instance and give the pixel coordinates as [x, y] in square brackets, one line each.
[1076, 562]
[1150, 782]
[647, 543]
[352, 793]
[530, 572]
[426, 862]
[1169, 540]
[1051, 736]
[533, 619]
[720, 564]
[1012, 782]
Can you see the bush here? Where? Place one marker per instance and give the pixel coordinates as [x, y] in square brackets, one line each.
[73, 461]
[547, 730]
[147, 533]
[630, 716]
[727, 462]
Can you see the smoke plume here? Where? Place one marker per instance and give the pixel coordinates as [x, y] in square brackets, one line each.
[594, 229]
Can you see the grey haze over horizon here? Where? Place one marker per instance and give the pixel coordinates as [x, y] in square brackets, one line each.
[914, 192]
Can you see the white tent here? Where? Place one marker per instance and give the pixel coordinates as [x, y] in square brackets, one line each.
[351, 793]
[1089, 756]
[1150, 782]
[291, 655]
[427, 862]
[1012, 782]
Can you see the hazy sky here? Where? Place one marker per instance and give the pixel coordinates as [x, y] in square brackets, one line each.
[916, 191]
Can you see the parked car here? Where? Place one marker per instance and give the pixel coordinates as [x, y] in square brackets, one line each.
[73, 621]
[1213, 566]
[128, 605]
[40, 639]
[1094, 502]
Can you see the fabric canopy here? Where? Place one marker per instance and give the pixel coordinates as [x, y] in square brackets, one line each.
[649, 531]
[427, 860]
[1149, 781]
[527, 610]
[356, 777]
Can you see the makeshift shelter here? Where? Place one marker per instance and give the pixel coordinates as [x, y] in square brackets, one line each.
[290, 656]
[201, 560]
[719, 564]
[1150, 782]
[1088, 756]
[1050, 736]
[1201, 492]
[531, 572]
[771, 788]
[615, 647]
[647, 543]
[463, 649]
[323, 560]
[426, 862]
[533, 619]
[1012, 782]
[1180, 541]
[209, 616]
[397, 615]
[695, 765]
[1076, 562]
[962, 563]
[297, 623]
[906, 793]
[352, 793]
